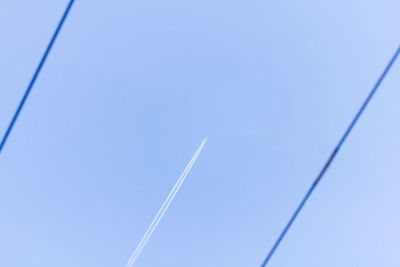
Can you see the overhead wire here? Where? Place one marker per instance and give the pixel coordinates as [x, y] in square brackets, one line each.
[35, 75]
[331, 158]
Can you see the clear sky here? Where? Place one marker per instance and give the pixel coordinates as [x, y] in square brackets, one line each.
[131, 89]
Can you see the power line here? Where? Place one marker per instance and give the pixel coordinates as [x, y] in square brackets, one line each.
[331, 158]
[35, 75]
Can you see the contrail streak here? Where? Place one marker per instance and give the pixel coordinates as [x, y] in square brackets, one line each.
[143, 241]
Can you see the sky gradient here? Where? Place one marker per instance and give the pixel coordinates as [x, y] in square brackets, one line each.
[131, 89]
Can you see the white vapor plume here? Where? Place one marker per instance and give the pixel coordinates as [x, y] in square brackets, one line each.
[143, 241]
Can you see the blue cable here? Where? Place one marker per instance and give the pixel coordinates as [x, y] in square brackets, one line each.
[35, 75]
[331, 158]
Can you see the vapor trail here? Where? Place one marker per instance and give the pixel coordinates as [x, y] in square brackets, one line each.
[143, 241]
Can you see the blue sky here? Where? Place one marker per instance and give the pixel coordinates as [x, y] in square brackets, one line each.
[131, 89]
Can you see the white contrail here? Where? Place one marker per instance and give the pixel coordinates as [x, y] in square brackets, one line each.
[143, 241]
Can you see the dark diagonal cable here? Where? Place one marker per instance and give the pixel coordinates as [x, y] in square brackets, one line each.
[35, 75]
[331, 158]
